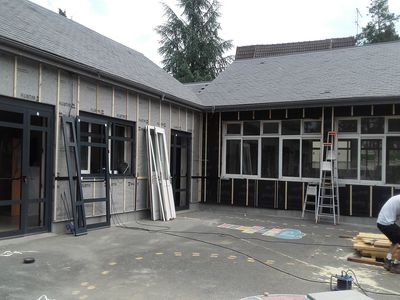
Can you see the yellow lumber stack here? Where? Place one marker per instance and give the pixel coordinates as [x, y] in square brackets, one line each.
[371, 245]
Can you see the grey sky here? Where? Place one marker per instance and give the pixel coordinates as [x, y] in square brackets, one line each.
[247, 22]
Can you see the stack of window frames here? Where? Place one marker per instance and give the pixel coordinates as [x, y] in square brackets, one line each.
[162, 203]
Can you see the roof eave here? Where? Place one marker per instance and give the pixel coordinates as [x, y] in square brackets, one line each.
[348, 101]
[91, 72]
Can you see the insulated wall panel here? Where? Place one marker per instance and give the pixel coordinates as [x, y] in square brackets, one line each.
[342, 111]
[175, 115]
[165, 122]
[88, 193]
[49, 85]
[99, 192]
[68, 94]
[105, 100]
[266, 193]
[141, 138]
[281, 195]
[229, 116]
[294, 195]
[360, 201]
[294, 113]
[252, 193]
[132, 107]
[261, 114]
[380, 194]
[212, 191]
[226, 191]
[88, 95]
[64, 210]
[27, 79]
[142, 195]
[344, 200]
[6, 74]
[130, 194]
[189, 121]
[120, 104]
[362, 110]
[383, 110]
[239, 192]
[313, 112]
[183, 119]
[155, 113]
[117, 195]
[247, 115]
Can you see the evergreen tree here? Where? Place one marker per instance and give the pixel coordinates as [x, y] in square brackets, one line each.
[381, 28]
[190, 45]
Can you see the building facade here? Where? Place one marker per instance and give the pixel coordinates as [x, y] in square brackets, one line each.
[252, 137]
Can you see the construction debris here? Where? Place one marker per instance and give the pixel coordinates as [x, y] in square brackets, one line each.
[371, 248]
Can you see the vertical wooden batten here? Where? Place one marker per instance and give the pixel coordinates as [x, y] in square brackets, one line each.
[15, 76]
[56, 138]
[205, 160]
[40, 82]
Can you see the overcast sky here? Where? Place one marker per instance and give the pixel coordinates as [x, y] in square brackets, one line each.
[245, 22]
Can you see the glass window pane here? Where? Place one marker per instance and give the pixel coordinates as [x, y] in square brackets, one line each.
[119, 131]
[310, 158]
[347, 126]
[347, 158]
[393, 160]
[11, 117]
[250, 157]
[291, 127]
[38, 121]
[394, 125]
[233, 128]
[270, 157]
[251, 128]
[371, 159]
[372, 125]
[291, 158]
[312, 126]
[270, 127]
[232, 160]
[97, 160]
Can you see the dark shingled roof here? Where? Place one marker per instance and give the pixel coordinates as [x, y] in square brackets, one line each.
[40, 29]
[312, 77]
[257, 51]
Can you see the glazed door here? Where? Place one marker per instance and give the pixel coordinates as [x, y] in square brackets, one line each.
[181, 168]
[25, 159]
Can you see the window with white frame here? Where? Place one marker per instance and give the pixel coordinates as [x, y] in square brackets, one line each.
[272, 149]
[368, 149]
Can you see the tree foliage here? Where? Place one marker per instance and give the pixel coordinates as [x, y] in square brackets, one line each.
[191, 48]
[381, 28]
[62, 12]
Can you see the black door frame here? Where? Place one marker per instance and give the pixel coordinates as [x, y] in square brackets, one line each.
[187, 135]
[29, 109]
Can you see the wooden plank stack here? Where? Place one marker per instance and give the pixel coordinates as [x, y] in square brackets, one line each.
[371, 248]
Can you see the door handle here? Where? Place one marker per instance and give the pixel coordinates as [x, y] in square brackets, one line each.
[24, 179]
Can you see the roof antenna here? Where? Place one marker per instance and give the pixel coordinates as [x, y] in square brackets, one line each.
[358, 14]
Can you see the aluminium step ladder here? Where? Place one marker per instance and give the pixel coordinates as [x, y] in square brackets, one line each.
[328, 194]
[310, 205]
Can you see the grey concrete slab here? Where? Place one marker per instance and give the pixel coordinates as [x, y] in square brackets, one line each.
[188, 258]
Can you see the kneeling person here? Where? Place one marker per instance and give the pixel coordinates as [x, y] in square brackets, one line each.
[388, 215]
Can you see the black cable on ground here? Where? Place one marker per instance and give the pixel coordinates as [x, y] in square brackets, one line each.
[172, 233]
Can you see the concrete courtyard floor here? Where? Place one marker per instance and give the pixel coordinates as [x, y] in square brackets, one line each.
[188, 258]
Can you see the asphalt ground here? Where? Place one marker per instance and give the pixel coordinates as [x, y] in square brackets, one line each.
[189, 258]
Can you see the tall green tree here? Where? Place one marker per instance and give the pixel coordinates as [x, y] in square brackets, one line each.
[381, 28]
[191, 48]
